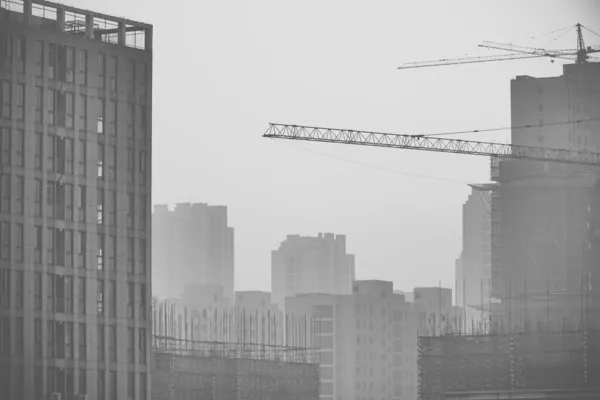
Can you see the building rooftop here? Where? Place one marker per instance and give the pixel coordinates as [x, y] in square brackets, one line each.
[79, 22]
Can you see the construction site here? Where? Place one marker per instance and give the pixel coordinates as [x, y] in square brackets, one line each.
[540, 337]
[232, 354]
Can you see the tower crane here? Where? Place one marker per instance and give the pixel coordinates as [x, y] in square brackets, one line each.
[429, 143]
[580, 55]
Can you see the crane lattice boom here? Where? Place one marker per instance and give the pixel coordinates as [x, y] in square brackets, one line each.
[421, 142]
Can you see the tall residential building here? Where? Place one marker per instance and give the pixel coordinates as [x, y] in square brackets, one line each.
[75, 188]
[368, 341]
[545, 216]
[192, 245]
[311, 265]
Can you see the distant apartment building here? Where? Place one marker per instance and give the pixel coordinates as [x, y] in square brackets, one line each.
[545, 224]
[192, 245]
[368, 341]
[75, 191]
[311, 265]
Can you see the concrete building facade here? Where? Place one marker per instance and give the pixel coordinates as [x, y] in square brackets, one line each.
[545, 216]
[192, 245]
[311, 265]
[368, 341]
[75, 191]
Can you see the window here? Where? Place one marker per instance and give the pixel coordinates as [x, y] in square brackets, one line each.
[69, 299]
[130, 210]
[50, 198]
[81, 203]
[113, 73]
[82, 344]
[100, 206]
[101, 110]
[81, 296]
[38, 245]
[100, 298]
[69, 193]
[143, 211]
[100, 161]
[82, 61]
[130, 386]
[51, 106]
[81, 249]
[112, 252]
[70, 63]
[143, 167]
[70, 110]
[51, 152]
[5, 286]
[5, 241]
[112, 207]
[131, 166]
[5, 146]
[102, 70]
[19, 296]
[112, 164]
[130, 255]
[59, 294]
[37, 291]
[82, 112]
[142, 302]
[52, 58]
[50, 244]
[19, 143]
[39, 58]
[130, 300]
[130, 119]
[19, 333]
[130, 345]
[113, 384]
[112, 299]
[142, 258]
[37, 196]
[112, 118]
[37, 338]
[19, 238]
[143, 385]
[19, 195]
[39, 104]
[5, 194]
[69, 254]
[143, 120]
[112, 345]
[38, 154]
[100, 254]
[50, 293]
[142, 346]
[101, 346]
[69, 344]
[82, 157]
[20, 100]
[5, 99]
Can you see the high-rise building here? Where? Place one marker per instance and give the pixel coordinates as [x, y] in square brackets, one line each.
[192, 245]
[311, 265]
[545, 215]
[433, 306]
[75, 191]
[368, 341]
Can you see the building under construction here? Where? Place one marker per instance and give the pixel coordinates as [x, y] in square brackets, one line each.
[537, 365]
[229, 355]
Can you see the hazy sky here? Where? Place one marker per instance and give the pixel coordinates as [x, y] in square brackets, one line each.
[224, 69]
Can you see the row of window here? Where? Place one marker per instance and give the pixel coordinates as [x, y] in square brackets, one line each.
[69, 248]
[69, 64]
[69, 202]
[68, 295]
[69, 157]
[68, 382]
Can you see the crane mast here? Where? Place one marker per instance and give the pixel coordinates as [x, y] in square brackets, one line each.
[427, 143]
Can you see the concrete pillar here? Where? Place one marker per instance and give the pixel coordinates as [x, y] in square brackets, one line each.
[60, 19]
[122, 36]
[148, 38]
[27, 11]
[89, 26]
